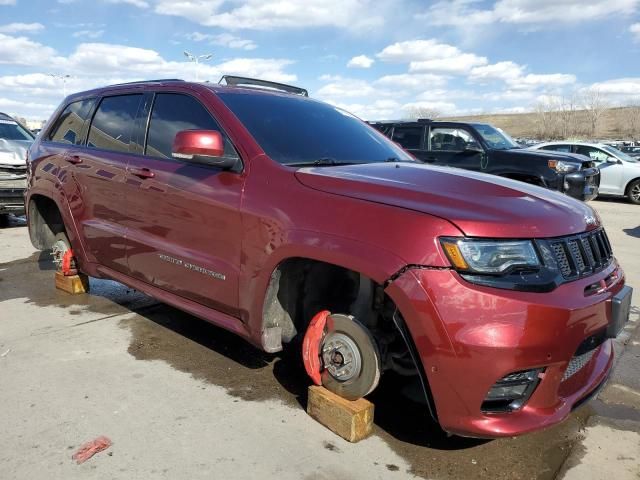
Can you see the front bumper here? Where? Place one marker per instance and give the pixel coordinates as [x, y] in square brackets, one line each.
[12, 200]
[583, 185]
[468, 337]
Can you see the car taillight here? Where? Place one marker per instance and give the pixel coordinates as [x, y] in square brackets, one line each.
[512, 391]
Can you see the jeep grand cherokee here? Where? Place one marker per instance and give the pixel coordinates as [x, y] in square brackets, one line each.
[290, 221]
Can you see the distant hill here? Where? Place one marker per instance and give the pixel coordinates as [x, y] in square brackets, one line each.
[612, 125]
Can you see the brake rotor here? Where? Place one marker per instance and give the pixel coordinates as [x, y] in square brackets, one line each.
[63, 257]
[340, 354]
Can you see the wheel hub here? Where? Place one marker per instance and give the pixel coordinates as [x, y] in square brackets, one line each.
[341, 356]
[58, 251]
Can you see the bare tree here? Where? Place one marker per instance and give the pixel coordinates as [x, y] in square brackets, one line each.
[631, 120]
[595, 103]
[415, 112]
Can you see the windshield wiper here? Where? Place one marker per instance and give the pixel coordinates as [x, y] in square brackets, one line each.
[321, 162]
[397, 160]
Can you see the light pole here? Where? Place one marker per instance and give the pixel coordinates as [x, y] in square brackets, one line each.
[197, 59]
[64, 82]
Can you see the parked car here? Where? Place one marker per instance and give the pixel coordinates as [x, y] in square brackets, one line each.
[631, 151]
[14, 143]
[619, 172]
[290, 221]
[483, 148]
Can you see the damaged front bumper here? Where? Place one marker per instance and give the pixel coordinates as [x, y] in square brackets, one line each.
[13, 183]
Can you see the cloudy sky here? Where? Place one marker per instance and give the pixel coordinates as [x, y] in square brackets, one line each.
[377, 58]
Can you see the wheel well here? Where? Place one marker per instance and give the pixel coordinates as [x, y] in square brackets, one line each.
[300, 288]
[45, 221]
[626, 189]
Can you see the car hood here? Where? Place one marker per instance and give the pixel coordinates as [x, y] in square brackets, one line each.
[13, 152]
[530, 152]
[478, 204]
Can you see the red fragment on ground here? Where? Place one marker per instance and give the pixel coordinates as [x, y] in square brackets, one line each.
[89, 449]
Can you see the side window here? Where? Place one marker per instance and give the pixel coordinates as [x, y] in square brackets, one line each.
[408, 137]
[113, 123]
[558, 148]
[451, 140]
[68, 126]
[172, 113]
[592, 152]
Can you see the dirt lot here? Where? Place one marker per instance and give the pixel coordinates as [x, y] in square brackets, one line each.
[180, 398]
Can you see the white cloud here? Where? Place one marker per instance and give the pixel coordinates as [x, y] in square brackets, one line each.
[347, 88]
[462, 13]
[498, 71]
[7, 2]
[261, 15]
[92, 34]
[543, 80]
[361, 61]
[18, 27]
[375, 110]
[635, 31]
[620, 87]
[459, 64]
[446, 108]
[22, 51]
[431, 56]
[411, 81]
[223, 39]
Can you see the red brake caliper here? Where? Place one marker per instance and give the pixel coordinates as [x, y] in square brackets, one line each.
[311, 346]
[67, 257]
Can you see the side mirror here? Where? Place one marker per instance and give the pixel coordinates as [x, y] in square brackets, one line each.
[473, 148]
[204, 147]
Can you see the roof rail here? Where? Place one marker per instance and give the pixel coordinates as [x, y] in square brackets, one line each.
[234, 81]
[149, 81]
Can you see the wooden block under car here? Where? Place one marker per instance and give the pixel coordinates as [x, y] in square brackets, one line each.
[73, 284]
[352, 420]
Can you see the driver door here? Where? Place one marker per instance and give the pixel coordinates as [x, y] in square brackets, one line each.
[184, 223]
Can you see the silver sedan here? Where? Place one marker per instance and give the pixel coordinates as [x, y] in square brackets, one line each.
[619, 172]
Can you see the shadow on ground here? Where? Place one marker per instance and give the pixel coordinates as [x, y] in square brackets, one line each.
[213, 355]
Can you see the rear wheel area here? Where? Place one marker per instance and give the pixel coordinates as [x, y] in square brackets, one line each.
[633, 192]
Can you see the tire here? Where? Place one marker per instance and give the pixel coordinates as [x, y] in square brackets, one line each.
[4, 219]
[633, 192]
[342, 329]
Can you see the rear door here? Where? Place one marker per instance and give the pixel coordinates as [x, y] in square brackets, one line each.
[455, 146]
[184, 221]
[411, 138]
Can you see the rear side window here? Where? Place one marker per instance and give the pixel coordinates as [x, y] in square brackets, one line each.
[69, 125]
[172, 113]
[113, 123]
[408, 137]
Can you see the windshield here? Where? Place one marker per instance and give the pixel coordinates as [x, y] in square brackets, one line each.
[621, 155]
[496, 138]
[11, 130]
[295, 130]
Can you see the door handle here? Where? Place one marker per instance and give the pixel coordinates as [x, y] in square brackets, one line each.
[142, 172]
[74, 159]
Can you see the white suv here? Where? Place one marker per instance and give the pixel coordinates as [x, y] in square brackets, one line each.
[619, 172]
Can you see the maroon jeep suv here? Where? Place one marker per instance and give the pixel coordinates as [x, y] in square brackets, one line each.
[290, 221]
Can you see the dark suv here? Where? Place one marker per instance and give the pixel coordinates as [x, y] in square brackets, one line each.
[483, 148]
[289, 221]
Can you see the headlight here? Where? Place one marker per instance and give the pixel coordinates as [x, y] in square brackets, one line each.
[489, 256]
[563, 167]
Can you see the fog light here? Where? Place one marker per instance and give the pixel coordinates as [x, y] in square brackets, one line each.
[512, 391]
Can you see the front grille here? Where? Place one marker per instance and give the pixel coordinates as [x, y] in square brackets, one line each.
[582, 254]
